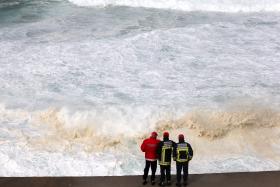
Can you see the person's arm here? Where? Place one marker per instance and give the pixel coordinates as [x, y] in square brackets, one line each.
[143, 146]
[174, 151]
[159, 150]
[190, 151]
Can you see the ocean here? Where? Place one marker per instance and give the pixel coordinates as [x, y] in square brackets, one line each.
[83, 82]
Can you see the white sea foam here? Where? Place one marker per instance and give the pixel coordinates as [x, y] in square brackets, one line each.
[85, 86]
[190, 5]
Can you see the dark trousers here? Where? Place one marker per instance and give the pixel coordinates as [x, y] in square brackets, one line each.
[153, 165]
[165, 171]
[185, 167]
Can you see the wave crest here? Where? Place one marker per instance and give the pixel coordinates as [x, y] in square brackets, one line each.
[59, 129]
[67, 132]
[213, 124]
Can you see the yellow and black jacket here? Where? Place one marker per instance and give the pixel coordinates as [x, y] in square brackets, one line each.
[182, 152]
[164, 152]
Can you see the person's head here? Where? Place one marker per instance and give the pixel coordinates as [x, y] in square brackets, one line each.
[181, 138]
[165, 135]
[154, 135]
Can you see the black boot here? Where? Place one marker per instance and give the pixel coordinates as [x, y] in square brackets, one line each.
[168, 183]
[161, 183]
[144, 182]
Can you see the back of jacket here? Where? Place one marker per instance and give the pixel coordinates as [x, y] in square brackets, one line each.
[182, 152]
[149, 146]
[164, 152]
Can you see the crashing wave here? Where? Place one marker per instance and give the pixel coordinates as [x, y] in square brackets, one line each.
[61, 129]
[232, 135]
[213, 124]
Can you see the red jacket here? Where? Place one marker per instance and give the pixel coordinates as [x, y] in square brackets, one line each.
[149, 146]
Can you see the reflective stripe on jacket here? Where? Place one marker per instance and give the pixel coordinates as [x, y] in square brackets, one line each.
[183, 152]
[164, 152]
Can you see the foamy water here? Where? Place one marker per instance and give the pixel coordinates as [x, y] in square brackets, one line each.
[190, 5]
[82, 86]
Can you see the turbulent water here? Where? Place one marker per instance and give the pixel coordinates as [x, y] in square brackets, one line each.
[83, 82]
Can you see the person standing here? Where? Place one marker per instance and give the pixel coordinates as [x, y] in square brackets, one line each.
[164, 152]
[149, 147]
[182, 154]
